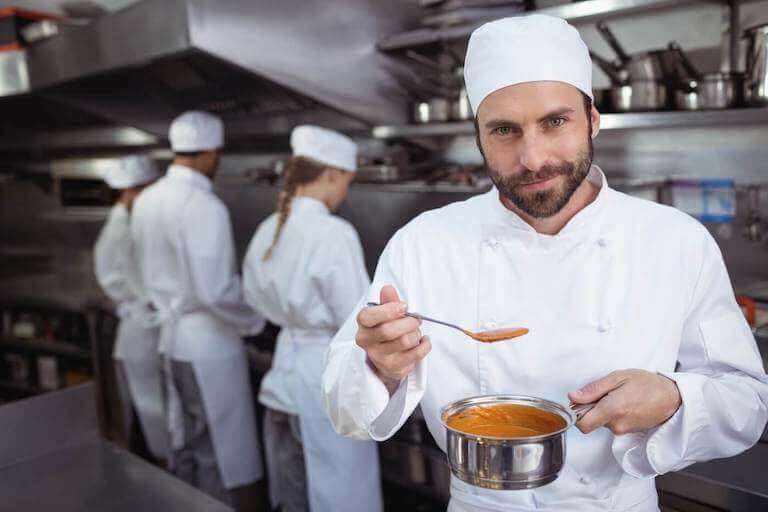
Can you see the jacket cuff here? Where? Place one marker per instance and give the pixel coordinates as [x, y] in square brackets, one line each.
[663, 448]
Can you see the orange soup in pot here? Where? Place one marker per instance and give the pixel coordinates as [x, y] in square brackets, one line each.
[506, 421]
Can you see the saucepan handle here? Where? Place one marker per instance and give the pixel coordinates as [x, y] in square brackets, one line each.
[582, 409]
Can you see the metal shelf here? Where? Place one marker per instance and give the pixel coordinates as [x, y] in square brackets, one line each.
[716, 118]
[53, 348]
[574, 12]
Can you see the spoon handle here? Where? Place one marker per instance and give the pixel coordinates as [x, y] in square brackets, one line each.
[419, 316]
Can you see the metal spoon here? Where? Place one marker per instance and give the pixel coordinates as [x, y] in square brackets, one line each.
[482, 336]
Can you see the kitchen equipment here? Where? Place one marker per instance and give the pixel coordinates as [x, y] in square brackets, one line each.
[508, 463]
[482, 336]
[753, 226]
[388, 173]
[659, 65]
[13, 21]
[433, 110]
[757, 65]
[602, 99]
[639, 96]
[461, 110]
[431, 97]
[631, 95]
[712, 91]
[707, 91]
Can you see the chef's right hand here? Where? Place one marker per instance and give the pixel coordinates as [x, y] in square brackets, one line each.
[392, 341]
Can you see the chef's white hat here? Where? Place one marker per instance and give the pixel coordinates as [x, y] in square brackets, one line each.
[196, 130]
[521, 49]
[130, 171]
[324, 146]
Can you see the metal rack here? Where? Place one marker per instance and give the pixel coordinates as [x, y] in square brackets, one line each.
[578, 12]
[719, 118]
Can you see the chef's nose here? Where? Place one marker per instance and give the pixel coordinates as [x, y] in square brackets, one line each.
[533, 153]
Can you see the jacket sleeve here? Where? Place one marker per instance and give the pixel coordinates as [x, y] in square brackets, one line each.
[209, 250]
[357, 401]
[110, 255]
[721, 379]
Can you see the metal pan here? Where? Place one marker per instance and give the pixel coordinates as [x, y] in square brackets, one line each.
[707, 91]
[660, 65]
[639, 96]
[508, 463]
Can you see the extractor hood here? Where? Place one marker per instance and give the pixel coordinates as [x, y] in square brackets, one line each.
[263, 65]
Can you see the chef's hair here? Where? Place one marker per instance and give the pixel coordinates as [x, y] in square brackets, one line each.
[298, 170]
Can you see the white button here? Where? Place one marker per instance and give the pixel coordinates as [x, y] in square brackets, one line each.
[493, 243]
[584, 480]
[489, 326]
[604, 326]
[602, 242]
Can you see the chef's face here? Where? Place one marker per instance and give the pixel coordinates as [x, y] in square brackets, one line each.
[536, 140]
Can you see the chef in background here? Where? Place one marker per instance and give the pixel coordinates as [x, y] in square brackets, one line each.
[186, 255]
[137, 363]
[304, 271]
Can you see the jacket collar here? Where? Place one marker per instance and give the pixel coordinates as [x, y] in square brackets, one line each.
[502, 217]
[309, 205]
[184, 173]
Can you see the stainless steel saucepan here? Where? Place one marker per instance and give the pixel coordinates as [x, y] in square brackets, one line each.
[757, 65]
[632, 95]
[508, 463]
[707, 91]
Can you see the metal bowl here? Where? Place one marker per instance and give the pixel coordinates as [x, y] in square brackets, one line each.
[506, 463]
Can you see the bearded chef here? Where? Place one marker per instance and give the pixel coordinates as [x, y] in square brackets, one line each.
[186, 255]
[137, 363]
[628, 302]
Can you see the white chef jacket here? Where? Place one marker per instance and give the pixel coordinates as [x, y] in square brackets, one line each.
[183, 203]
[115, 267]
[315, 277]
[627, 283]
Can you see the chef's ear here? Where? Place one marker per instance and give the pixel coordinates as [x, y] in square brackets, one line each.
[332, 174]
[595, 121]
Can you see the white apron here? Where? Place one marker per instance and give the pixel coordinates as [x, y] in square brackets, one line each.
[136, 349]
[342, 474]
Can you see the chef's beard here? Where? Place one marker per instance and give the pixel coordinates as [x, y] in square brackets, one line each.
[544, 203]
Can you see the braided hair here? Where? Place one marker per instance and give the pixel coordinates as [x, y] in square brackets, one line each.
[298, 170]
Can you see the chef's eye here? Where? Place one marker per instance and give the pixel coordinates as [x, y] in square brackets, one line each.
[502, 130]
[556, 122]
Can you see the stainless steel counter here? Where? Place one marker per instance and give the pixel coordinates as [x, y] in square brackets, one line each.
[52, 458]
[97, 476]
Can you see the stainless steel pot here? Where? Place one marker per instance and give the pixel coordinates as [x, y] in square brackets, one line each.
[506, 463]
[460, 107]
[711, 91]
[432, 111]
[461, 110]
[707, 91]
[756, 81]
[661, 65]
[639, 96]
[632, 95]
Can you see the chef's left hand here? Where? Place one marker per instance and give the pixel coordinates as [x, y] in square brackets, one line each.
[629, 401]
